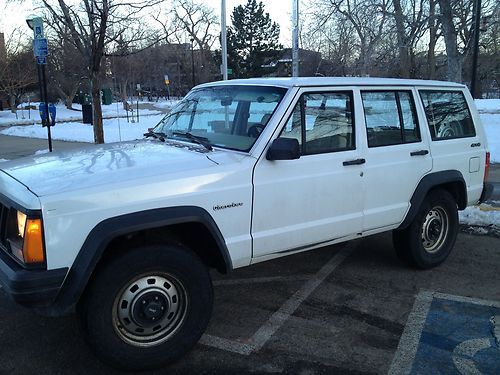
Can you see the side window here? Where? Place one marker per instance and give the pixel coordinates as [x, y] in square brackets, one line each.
[447, 114]
[390, 118]
[322, 122]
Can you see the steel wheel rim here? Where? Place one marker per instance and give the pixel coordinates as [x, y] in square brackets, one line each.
[435, 229]
[150, 309]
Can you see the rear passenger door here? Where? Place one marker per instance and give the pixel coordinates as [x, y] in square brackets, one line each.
[456, 143]
[397, 154]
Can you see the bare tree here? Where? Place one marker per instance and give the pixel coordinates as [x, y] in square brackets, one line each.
[94, 25]
[17, 73]
[198, 23]
[66, 68]
[410, 18]
[368, 19]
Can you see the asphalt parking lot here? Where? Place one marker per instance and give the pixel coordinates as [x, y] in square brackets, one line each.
[347, 309]
[352, 310]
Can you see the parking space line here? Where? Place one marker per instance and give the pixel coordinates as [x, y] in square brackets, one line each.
[226, 344]
[406, 351]
[278, 318]
[408, 343]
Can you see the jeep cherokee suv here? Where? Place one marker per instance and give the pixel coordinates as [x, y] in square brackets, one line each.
[238, 172]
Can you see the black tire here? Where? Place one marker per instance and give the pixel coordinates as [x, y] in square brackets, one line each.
[163, 285]
[429, 239]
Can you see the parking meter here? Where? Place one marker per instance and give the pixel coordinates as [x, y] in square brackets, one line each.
[52, 113]
[43, 113]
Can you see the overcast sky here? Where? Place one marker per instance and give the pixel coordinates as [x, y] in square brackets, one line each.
[12, 16]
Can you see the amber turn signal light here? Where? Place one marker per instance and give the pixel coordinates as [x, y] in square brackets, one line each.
[33, 243]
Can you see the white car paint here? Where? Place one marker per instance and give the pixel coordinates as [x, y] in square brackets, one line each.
[287, 206]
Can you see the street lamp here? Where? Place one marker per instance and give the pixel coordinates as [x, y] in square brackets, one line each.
[40, 49]
[192, 60]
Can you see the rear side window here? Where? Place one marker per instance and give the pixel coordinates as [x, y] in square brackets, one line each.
[447, 114]
[390, 118]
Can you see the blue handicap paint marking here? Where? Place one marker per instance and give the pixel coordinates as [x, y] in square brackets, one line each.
[459, 338]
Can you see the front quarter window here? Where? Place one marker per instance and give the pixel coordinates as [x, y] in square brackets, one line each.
[223, 116]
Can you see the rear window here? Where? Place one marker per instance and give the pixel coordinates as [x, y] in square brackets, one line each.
[447, 114]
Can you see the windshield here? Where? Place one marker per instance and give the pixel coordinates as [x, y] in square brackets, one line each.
[223, 116]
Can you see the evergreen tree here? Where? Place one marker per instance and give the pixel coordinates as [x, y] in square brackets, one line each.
[252, 40]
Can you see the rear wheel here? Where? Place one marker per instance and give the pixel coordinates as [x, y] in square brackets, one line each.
[148, 307]
[429, 239]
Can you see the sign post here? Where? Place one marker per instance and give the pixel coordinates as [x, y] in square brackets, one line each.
[295, 39]
[41, 51]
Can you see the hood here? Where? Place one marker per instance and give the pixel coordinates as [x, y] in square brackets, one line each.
[99, 165]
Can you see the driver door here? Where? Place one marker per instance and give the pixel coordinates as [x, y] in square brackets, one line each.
[316, 199]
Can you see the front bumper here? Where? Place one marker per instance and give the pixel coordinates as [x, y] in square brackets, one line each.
[30, 288]
[487, 191]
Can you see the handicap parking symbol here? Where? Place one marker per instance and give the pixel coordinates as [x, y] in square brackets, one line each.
[450, 335]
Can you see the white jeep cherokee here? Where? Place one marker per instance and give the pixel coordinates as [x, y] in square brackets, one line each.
[238, 172]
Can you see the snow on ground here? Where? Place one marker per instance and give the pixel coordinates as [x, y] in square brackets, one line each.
[165, 104]
[480, 221]
[488, 105]
[2, 160]
[491, 123]
[25, 117]
[115, 130]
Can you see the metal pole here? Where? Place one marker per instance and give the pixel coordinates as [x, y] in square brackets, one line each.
[192, 61]
[295, 39]
[223, 38]
[475, 53]
[43, 84]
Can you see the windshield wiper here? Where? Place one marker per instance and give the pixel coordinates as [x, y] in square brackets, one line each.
[160, 136]
[196, 139]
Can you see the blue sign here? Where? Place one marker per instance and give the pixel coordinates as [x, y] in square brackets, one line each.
[41, 60]
[40, 47]
[38, 30]
[459, 337]
[52, 113]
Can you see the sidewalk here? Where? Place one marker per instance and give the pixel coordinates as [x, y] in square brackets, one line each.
[16, 147]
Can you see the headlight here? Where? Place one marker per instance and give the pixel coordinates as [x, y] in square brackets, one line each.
[21, 223]
[26, 239]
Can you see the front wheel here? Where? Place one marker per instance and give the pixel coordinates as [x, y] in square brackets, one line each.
[429, 239]
[148, 307]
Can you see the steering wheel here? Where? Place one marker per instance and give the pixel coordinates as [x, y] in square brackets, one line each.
[255, 130]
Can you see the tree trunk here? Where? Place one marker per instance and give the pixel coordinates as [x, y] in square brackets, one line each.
[404, 58]
[454, 59]
[123, 94]
[97, 109]
[431, 53]
[12, 103]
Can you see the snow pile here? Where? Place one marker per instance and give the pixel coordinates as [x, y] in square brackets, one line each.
[115, 130]
[477, 217]
[2, 160]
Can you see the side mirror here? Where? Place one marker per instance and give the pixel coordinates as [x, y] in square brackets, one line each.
[284, 149]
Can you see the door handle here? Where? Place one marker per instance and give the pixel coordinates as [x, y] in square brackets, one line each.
[354, 162]
[419, 153]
